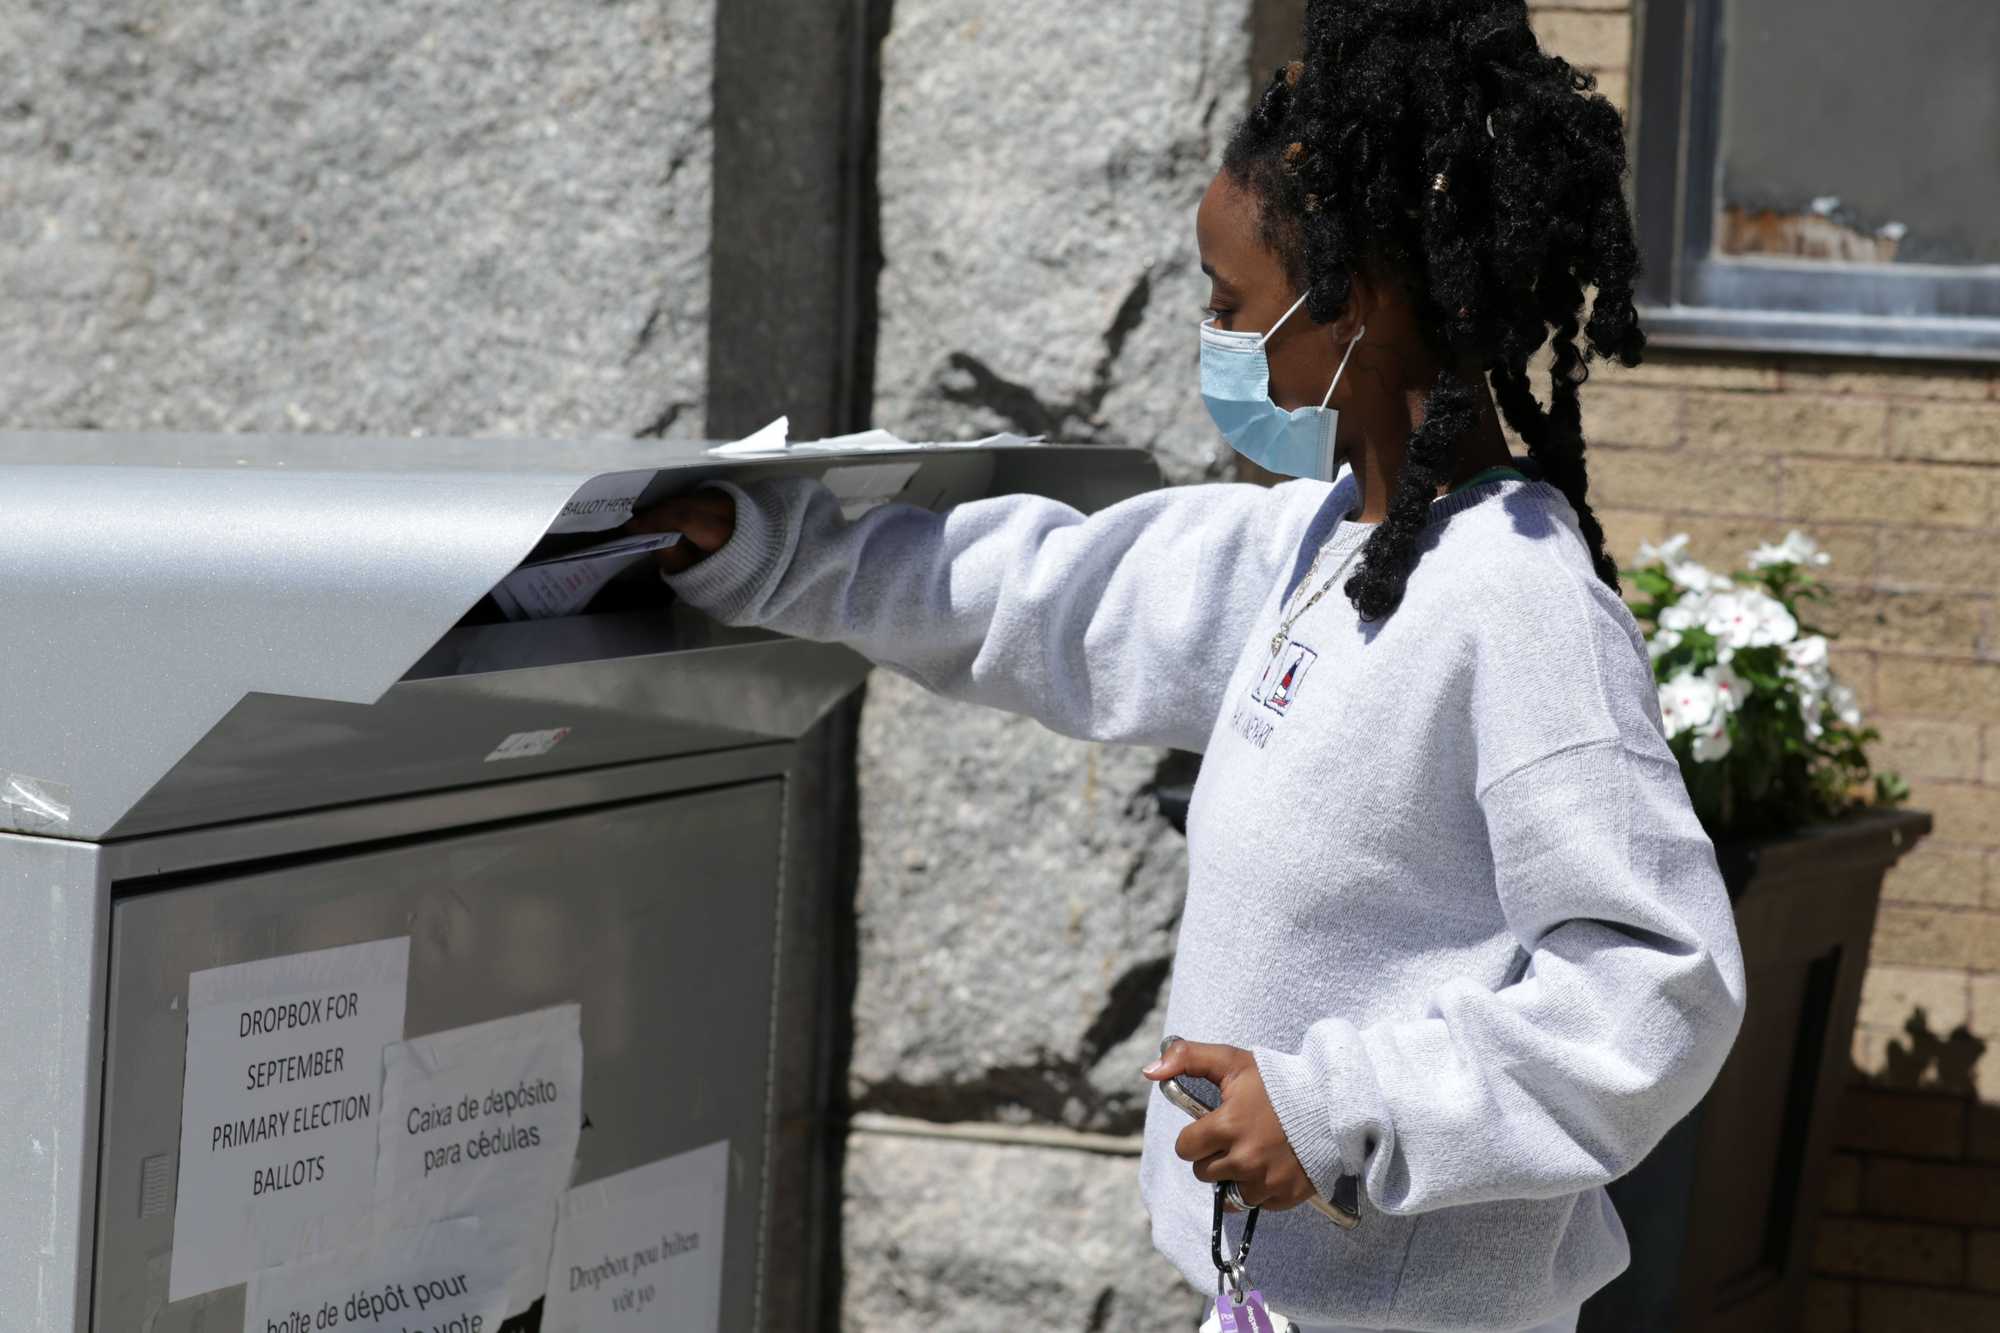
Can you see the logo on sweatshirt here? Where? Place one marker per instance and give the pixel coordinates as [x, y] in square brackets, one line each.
[1284, 678]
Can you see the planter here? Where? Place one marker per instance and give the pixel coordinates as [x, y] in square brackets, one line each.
[1721, 1216]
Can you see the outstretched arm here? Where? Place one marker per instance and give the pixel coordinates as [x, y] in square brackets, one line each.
[1123, 625]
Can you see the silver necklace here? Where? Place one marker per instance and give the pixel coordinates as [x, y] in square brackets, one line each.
[1284, 634]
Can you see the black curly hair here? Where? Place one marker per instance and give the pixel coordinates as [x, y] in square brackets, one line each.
[1433, 142]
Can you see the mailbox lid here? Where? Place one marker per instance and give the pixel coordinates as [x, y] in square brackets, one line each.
[165, 586]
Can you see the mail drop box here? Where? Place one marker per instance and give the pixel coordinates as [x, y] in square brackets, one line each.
[404, 899]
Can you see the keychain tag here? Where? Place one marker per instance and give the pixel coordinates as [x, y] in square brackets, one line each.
[1256, 1318]
[1239, 1311]
[1249, 1317]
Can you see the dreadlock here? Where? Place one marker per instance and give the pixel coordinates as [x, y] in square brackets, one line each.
[1435, 143]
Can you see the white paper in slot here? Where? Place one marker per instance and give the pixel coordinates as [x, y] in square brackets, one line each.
[1005, 440]
[773, 439]
[861, 488]
[882, 441]
[563, 585]
[867, 441]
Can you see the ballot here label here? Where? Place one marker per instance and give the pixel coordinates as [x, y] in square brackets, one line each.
[279, 1107]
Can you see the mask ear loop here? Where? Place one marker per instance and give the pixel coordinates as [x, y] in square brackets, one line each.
[1343, 367]
[1273, 332]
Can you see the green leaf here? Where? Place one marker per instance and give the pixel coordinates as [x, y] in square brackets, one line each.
[1654, 583]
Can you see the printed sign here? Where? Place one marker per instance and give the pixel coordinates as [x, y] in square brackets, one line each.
[278, 1107]
[444, 1278]
[483, 1122]
[642, 1250]
[602, 502]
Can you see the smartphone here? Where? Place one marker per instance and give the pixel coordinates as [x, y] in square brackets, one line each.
[1197, 1097]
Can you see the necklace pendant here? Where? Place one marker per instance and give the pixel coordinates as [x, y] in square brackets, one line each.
[1278, 642]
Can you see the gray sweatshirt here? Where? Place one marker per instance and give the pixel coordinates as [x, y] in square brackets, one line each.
[1444, 879]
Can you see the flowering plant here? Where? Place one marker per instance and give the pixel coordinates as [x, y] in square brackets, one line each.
[1768, 740]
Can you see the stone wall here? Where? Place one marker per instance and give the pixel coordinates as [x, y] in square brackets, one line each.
[449, 218]
[1895, 469]
[1040, 167]
[1040, 164]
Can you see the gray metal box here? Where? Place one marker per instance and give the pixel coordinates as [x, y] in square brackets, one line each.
[247, 716]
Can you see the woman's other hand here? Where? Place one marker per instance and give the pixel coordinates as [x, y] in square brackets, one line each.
[705, 520]
[1241, 1140]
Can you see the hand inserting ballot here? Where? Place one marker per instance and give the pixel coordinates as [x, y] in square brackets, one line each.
[1241, 1140]
[706, 518]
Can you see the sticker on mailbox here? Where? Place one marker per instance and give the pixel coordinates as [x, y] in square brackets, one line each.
[528, 744]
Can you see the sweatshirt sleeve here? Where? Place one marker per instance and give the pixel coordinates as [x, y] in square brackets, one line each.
[1568, 1077]
[1121, 626]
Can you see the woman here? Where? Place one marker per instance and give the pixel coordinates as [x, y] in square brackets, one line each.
[1451, 925]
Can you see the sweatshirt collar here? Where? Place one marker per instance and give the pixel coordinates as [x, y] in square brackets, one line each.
[1346, 499]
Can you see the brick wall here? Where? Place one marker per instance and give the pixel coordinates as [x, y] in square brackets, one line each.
[1895, 469]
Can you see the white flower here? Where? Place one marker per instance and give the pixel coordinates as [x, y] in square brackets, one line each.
[1731, 690]
[1670, 552]
[1697, 578]
[1820, 693]
[1775, 624]
[1687, 702]
[1728, 618]
[1796, 549]
[1807, 654]
[1806, 667]
[1712, 741]
[1685, 614]
[1674, 622]
[1748, 618]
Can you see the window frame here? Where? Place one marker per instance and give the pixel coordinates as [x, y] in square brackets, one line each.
[1689, 298]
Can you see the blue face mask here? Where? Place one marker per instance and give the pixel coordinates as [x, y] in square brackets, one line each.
[1236, 385]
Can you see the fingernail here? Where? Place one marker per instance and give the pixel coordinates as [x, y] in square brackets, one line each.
[1153, 1068]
